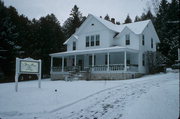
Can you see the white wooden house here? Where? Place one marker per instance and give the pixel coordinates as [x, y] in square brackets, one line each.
[108, 50]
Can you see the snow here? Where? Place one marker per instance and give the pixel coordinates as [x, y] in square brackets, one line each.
[153, 96]
[136, 27]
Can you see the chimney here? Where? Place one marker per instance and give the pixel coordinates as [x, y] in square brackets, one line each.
[113, 20]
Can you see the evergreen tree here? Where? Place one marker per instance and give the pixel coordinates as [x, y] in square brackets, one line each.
[137, 18]
[8, 46]
[73, 22]
[48, 38]
[147, 16]
[20, 37]
[128, 20]
[167, 29]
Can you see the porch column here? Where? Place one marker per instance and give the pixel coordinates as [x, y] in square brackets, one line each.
[62, 64]
[125, 62]
[51, 64]
[108, 61]
[74, 60]
[92, 62]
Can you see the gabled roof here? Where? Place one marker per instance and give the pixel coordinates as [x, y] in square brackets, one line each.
[75, 36]
[136, 27]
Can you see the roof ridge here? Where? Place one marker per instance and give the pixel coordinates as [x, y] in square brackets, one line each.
[118, 28]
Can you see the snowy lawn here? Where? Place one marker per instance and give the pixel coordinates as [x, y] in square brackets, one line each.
[149, 97]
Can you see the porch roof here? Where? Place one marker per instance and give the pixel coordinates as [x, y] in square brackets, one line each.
[94, 51]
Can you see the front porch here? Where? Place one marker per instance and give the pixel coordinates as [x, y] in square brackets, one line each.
[103, 63]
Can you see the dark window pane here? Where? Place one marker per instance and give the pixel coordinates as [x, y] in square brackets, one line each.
[92, 40]
[151, 42]
[97, 40]
[127, 39]
[74, 45]
[87, 41]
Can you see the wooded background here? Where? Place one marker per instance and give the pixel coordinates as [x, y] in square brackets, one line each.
[37, 38]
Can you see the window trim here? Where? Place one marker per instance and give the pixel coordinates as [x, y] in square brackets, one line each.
[97, 40]
[92, 40]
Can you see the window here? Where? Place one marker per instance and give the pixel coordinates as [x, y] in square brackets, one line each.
[128, 61]
[106, 59]
[143, 59]
[92, 40]
[97, 40]
[151, 42]
[127, 39]
[90, 60]
[87, 41]
[94, 59]
[143, 39]
[74, 45]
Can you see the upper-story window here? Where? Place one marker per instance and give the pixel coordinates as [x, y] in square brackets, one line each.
[127, 39]
[97, 40]
[151, 42]
[92, 40]
[87, 41]
[74, 45]
[143, 42]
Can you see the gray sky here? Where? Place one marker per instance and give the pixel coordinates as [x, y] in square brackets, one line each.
[61, 8]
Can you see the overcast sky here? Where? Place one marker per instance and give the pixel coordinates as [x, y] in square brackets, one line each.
[61, 8]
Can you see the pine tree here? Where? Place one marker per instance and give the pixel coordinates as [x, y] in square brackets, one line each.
[137, 18]
[128, 20]
[147, 16]
[73, 22]
[168, 30]
[8, 46]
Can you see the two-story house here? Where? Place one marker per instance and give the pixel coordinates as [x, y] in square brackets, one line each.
[109, 50]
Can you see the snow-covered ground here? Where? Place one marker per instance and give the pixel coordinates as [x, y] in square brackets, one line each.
[149, 97]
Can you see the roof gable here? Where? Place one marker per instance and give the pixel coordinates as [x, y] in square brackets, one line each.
[136, 27]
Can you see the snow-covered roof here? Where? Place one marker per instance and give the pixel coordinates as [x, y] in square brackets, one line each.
[98, 50]
[136, 27]
[75, 36]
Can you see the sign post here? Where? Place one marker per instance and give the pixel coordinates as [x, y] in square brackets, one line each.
[27, 66]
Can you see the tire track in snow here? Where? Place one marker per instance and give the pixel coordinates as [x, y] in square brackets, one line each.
[111, 102]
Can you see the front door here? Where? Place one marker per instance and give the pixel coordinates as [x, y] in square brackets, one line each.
[81, 64]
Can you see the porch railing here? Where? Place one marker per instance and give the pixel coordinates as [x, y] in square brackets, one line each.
[116, 67]
[100, 68]
[56, 69]
[132, 67]
[112, 67]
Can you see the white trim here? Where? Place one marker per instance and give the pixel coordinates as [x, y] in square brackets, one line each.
[93, 51]
[74, 60]
[108, 61]
[125, 62]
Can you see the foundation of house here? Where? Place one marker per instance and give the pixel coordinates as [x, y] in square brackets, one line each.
[95, 76]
